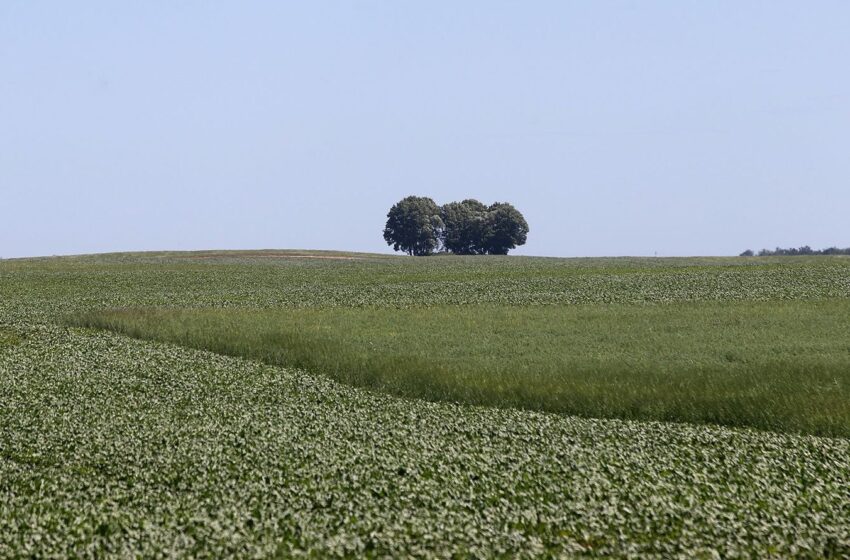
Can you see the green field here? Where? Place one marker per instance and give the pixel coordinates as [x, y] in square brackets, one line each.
[773, 365]
[297, 443]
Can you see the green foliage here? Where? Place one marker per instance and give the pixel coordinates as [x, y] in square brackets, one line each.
[122, 448]
[505, 229]
[805, 250]
[465, 226]
[414, 226]
[115, 447]
[8, 337]
[777, 365]
[417, 226]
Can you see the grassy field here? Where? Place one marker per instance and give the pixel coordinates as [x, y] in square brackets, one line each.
[111, 445]
[773, 365]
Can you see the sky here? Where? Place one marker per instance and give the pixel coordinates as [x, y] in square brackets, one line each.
[617, 128]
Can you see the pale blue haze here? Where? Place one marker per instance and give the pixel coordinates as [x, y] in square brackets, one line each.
[676, 128]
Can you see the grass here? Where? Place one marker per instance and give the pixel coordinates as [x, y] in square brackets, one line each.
[116, 447]
[779, 365]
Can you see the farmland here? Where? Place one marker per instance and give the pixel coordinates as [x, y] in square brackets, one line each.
[772, 365]
[156, 445]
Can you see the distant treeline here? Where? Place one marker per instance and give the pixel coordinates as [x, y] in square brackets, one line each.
[795, 251]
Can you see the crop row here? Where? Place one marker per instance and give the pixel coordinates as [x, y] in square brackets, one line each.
[114, 446]
[54, 291]
[122, 447]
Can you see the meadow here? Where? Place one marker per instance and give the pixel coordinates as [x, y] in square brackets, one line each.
[781, 366]
[298, 444]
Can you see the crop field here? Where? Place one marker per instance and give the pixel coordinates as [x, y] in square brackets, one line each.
[772, 365]
[285, 404]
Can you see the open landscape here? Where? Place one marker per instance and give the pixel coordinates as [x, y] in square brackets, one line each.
[320, 403]
[429, 279]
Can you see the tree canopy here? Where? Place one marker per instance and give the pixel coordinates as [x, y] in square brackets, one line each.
[796, 251]
[505, 228]
[418, 226]
[465, 224]
[414, 226]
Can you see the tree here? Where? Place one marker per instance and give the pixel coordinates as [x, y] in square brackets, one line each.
[418, 226]
[414, 226]
[747, 253]
[504, 229]
[804, 250]
[464, 225]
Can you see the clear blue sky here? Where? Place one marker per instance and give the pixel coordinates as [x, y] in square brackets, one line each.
[617, 128]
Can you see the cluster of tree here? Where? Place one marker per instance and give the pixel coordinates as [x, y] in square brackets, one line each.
[418, 226]
[796, 251]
